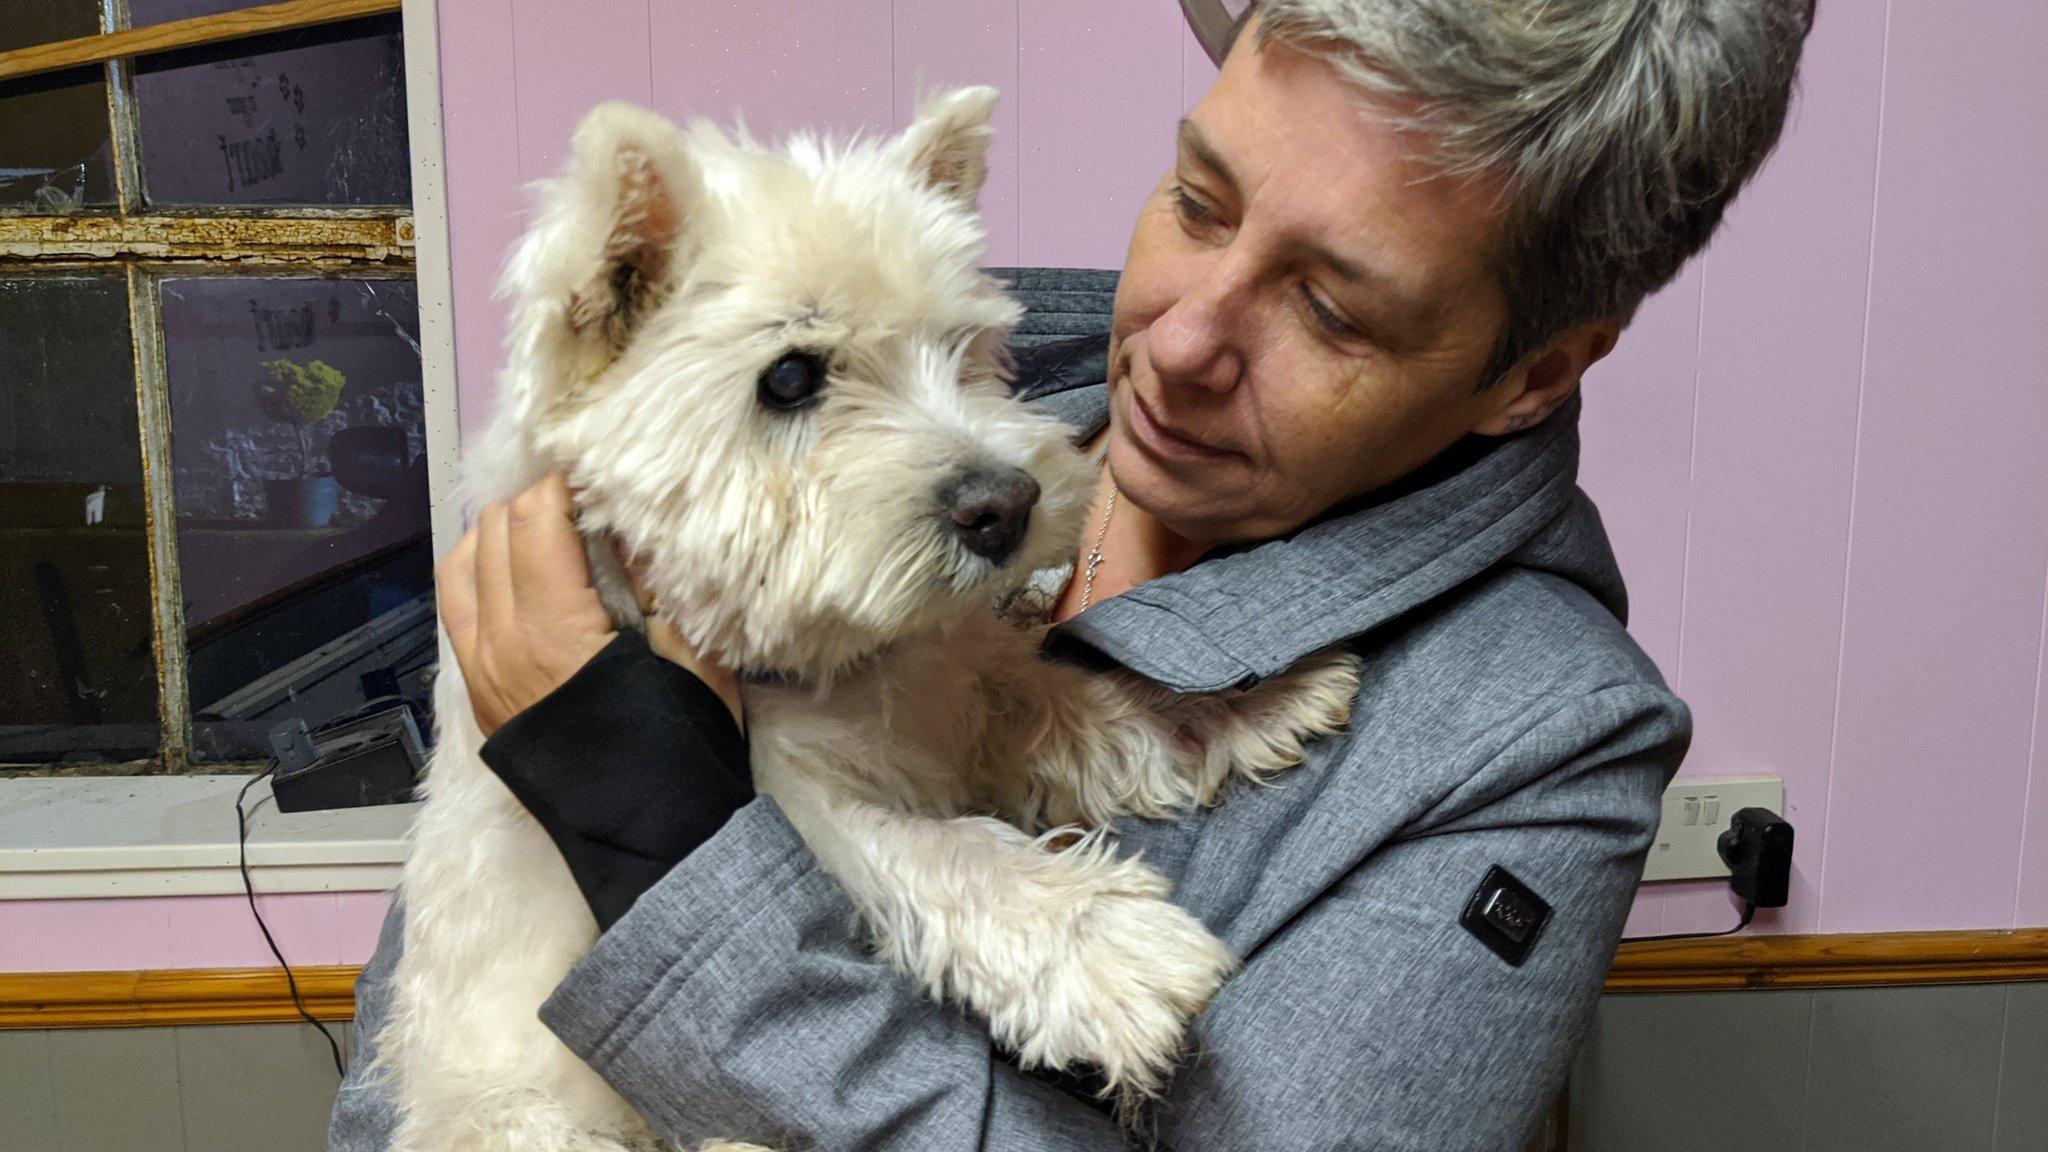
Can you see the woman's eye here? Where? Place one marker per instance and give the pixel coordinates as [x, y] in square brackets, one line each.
[793, 381]
[1332, 323]
[1191, 210]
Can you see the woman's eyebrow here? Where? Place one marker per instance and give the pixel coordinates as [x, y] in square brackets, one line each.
[1391, 296]
[1194, 143]
[1398, 309]
[1350, 271]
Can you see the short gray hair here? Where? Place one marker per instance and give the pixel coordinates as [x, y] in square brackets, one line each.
[1621, 129]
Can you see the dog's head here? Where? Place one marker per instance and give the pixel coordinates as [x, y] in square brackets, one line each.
[776, 377]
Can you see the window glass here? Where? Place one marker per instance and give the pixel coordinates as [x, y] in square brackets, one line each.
[299, 450]
[56, 153]
[313, 116]
[78, 680]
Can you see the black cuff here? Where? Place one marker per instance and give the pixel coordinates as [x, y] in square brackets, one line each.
[629, 766]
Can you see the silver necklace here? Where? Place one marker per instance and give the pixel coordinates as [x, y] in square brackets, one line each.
[1101, 532]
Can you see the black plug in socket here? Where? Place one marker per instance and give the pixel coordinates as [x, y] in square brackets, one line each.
[1757, 848]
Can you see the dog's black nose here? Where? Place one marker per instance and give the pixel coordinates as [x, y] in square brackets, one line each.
[989, 509]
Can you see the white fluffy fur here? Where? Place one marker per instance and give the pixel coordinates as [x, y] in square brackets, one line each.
[932, 761]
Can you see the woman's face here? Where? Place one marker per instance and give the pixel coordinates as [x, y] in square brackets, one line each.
[1304, 312]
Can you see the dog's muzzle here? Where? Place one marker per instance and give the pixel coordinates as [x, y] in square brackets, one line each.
[988, 509]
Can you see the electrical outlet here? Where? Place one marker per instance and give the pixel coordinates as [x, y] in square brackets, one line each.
[1696, 812]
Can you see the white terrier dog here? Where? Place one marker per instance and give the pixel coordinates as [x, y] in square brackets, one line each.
[775, 379]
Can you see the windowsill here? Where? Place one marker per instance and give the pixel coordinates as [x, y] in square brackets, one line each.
[128, 836]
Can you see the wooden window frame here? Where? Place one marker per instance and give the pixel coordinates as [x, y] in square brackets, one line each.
[146, 244]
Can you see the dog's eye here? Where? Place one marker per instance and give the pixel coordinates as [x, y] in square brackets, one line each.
[792, 381]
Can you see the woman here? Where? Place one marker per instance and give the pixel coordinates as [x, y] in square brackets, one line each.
[1338, 404]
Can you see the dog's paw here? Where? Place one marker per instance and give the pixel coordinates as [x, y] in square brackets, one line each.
[1130, 970]
[1319, 692]
[1274, 722]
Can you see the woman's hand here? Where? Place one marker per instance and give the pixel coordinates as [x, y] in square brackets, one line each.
[516, 598]
[670, 646]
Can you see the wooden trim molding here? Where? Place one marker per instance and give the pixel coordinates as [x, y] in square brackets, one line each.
[1831, 961]
[190, 33]
[198, 996]
[259, 995]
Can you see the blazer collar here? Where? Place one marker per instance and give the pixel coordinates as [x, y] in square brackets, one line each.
[1245, 614]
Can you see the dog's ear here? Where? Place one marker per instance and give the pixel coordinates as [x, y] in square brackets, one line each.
[610, 244]
[946, 144]
[634, 185]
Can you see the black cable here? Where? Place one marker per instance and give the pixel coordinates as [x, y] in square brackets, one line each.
[1748, 912]
[249, 890]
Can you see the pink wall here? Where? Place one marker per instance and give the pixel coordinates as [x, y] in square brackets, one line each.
[1824, 457]
[1822, 453]
[1090, 93]
[140, 933]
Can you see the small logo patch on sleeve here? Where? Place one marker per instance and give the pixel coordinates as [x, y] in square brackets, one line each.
[1506, 915]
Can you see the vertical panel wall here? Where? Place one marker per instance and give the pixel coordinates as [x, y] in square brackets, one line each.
[1822, 452]
[1762, 523]
[944, 43]
[1949, 525]
[480, 144]
[1099, 91]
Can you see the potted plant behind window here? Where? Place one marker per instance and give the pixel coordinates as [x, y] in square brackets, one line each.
[301, 395]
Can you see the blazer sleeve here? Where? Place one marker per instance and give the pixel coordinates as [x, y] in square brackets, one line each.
[1373, 1020]
[732, 1000]
[365, 1115]
[730, 1003]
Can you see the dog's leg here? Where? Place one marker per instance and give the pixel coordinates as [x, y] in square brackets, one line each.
[492, 923]
[1074, 957]
[1103, 747]
[1265, 729]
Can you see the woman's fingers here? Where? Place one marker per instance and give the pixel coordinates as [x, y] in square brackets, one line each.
[455, 593]
[494, 600]
[518, 604]
[550, 574]
[522, 616]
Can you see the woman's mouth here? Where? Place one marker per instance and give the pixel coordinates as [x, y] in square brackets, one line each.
[1164, 441]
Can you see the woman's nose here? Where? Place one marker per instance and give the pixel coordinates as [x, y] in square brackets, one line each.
[1192, 343]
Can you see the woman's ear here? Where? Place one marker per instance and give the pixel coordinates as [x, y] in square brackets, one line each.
[1543, 379]
[612, 237]
[946, 145]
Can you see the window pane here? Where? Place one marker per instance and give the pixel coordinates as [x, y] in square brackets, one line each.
[78, 679]
[299, 448]
[55, 150]
[315, 116]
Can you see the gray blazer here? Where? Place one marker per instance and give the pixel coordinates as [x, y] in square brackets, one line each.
[1505, 719]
